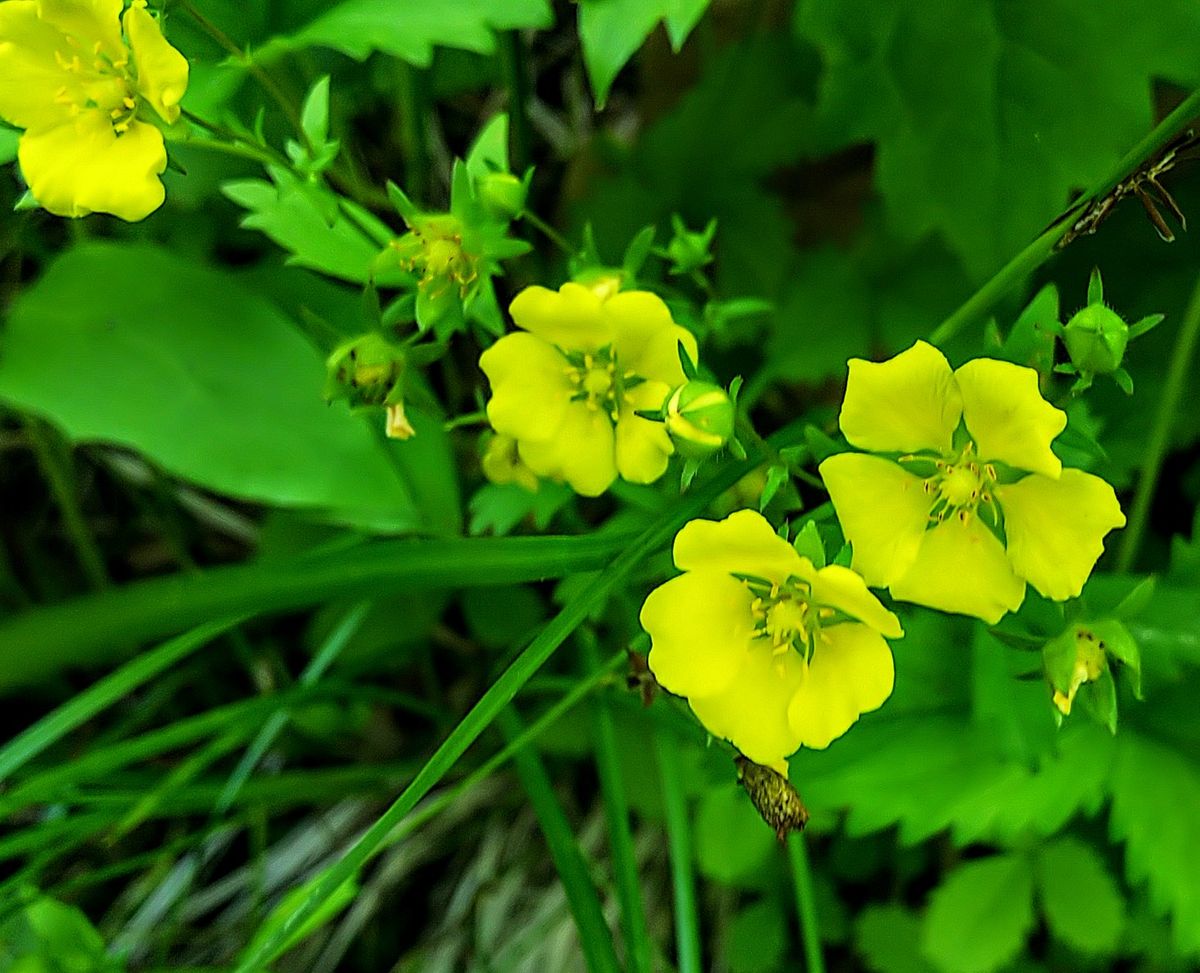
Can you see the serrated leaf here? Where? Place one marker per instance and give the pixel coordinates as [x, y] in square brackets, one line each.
[1081, 902]
[887, 937]
[1155, 793]
[611, 31]
[204, 377]
[986, 121]
[410, 29]
[978, 918]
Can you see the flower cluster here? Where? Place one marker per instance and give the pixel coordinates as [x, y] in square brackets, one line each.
[959, 500]
[771, 652]
[569, 386]
[87, 83]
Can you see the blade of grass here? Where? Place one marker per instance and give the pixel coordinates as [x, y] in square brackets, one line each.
[501, 693]
[103, 693]
[679, 842]
[337, 640]
[595, 938]
[639, 953]
[806, 907]
[75, 632]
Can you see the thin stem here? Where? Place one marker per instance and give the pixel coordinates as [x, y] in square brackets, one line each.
[548, 231]
[639, 952]
[1160, 433]
[56, 463]
[512, 66]
[679, 842]
[231, 143]
[1041, 249]
[268, 83]
[810, 930]
[413, 133]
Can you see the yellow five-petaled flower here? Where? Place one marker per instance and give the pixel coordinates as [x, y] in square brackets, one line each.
[79, 78]
[771, 653]
[569, 386]
[966, 501]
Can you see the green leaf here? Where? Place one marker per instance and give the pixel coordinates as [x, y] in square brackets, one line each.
[755, 941]
[8, 144]
[341, 897]
[611, 31]
[209, 381]
[1082, 904]
[410, 29]
[47, 936]
[1155, 793]
[314, 114]
[887, 936]
[978, 918]
[489, 151]
[986, 121]
[306, 221]
[732, 842]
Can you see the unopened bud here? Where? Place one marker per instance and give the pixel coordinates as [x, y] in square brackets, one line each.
[699, 417]
[1096, 338]
[366, 371]
[503, 194]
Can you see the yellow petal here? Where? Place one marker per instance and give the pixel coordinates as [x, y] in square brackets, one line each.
[905, 404]
[162, 70]
[742, 543]
[30, 76]
[90, 23]
[581, 452]
[962, 568]
[883, 510]
[647, 338]
[83, 167]
[838, 587]
[1055, 528]
[569, 317]
[1007, 416]
[700, 629]
[850, 673]
[643, 448]
[530, 387]
[752, 711]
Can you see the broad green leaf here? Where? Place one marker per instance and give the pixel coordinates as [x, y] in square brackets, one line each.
[756, 938]
[306, 221]
[732, 842]
[887, 936]
[1082, 904]
[132, 346]
[410, 29]
[978, 918]
[987, 120]
[1155, 794]
[611, 31]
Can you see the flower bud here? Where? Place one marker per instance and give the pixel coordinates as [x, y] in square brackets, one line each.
[1073, 658]
[699, 417]
[604, 282]
[689, 251]
[1096, 338]
[503, 194]
[366, 371]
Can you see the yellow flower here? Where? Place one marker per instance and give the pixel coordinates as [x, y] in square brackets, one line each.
[568, 387]
[80, 78]
[967, 502]
[771, 653]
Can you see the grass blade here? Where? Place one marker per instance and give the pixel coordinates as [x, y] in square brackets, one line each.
[679, 840]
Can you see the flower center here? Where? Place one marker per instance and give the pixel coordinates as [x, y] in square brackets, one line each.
[433, 248]
[959, 486]
[786, 614]
[597, 380]
[93, 80]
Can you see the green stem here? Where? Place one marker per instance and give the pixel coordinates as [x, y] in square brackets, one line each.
[413, 117]
[1041, 249]
[679, 843]
[595, 938]
[1160, 433]
[639, 952]
[548, 231]
[512, 66]
[810, 930]
[56, 463]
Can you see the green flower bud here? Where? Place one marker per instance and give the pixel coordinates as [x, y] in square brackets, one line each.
[1073, 658]
[503, 194]
[699, 417]
[688, 251]
[1096, 338]
[366, 371]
